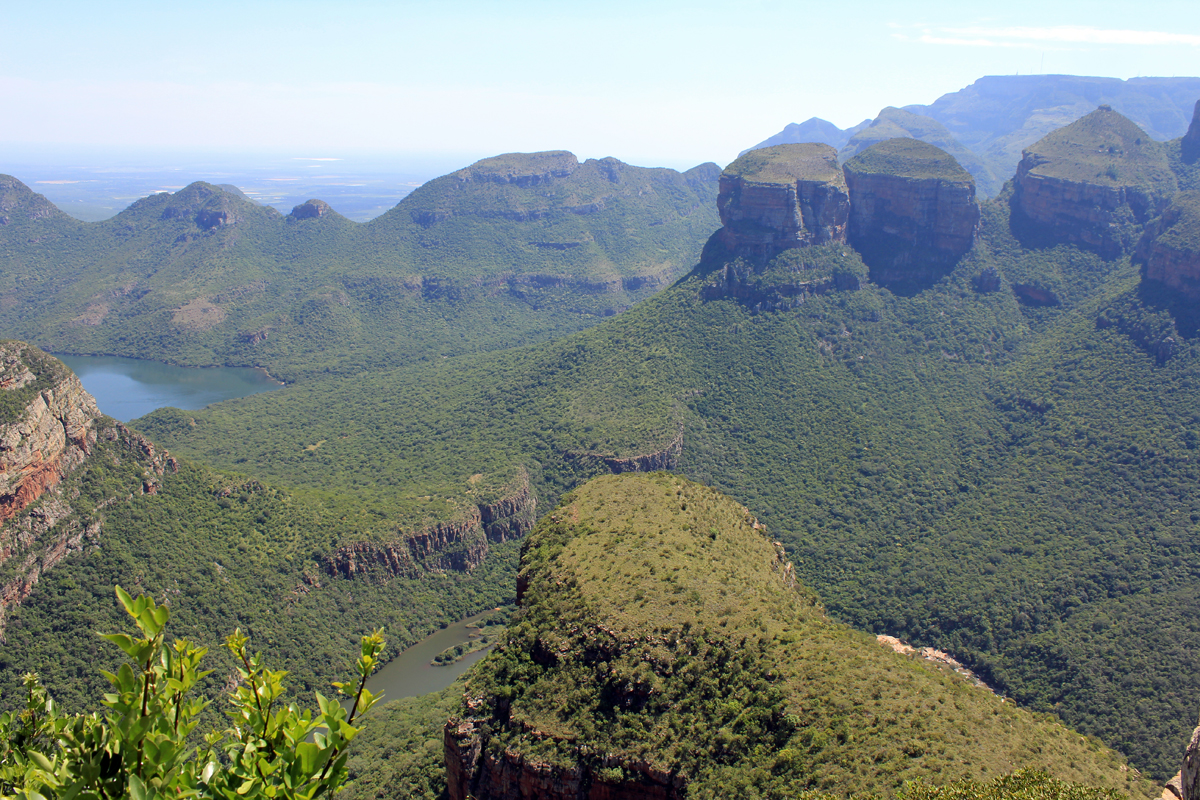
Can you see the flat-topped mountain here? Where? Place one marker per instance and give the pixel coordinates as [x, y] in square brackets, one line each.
[912, 211]
[665, 649]
[1092, 182]
[790, 195]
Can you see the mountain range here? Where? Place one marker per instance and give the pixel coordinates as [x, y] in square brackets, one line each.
[968, 423]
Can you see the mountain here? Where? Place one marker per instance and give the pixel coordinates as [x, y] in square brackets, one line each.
[812, 131]
[664, 649]
[513, 249]
[988, 124]
[995, 463]
[895, 123]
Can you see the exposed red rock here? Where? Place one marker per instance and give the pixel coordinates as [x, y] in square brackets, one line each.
[44, 443]
[913, 212]
[776, 198]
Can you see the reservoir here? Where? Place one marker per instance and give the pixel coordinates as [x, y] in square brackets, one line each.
[409, 674]
[127, 388]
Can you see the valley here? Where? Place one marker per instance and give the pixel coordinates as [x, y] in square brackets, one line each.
[969, 423]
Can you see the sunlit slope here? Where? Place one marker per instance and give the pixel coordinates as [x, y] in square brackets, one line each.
[504, 252]
[663, 642]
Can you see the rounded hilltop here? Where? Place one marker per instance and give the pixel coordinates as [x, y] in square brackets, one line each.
[908, 158]
[665, 648]
[787, 163]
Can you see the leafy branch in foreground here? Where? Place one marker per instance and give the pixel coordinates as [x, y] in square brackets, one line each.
[139, 747]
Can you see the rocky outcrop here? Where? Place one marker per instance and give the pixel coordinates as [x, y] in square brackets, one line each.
[1169, 250]
[1092, 183]
[736, 280]
[50, 436]
[311, 209]
[521, 169]
[665, 458]
[458, 545]
[1189, 776]
[472, 770]
[781, 197]
[913, 213]
[208, 206]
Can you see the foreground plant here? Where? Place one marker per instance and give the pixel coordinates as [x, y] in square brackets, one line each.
[139, 747]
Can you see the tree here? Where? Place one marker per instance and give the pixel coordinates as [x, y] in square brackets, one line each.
[141, 746]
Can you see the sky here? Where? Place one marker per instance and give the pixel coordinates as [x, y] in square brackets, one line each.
[651, 83]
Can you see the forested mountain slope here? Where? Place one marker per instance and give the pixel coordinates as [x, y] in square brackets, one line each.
[511, 250]
[997, 464]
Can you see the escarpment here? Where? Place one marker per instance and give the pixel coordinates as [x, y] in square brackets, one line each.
[1092, 183]
[664, 648]
[913, 212]
[1169, 250]
[1190, 144]
[50, 428]
[20, 204]
[458, 544]
[776, 198]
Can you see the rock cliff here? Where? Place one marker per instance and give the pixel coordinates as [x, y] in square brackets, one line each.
[776, 198]
[913, 212]
[458, 544]
[1169, 250]
[1190, 146]
[1093, 183]
[49, 427]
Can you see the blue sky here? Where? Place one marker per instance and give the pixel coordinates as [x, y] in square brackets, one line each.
[666, 83]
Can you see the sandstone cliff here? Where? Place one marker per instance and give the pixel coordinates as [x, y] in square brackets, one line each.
[1169, 250]
[913, 213]
[1092, 183]
[776, 198]
[49, 427]
[458, 544]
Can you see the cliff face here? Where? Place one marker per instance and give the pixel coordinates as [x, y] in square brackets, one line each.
[912, 211]
[1191, 139]
[52, 428]
[1092, 183]
[460, 544]
[1170, 248]
[776, 198]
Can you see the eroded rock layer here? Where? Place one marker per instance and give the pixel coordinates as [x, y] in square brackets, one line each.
[49, 428]
[459, 544]
[1170, 248]
[776, 198]
[1092, 184]
[913, 212]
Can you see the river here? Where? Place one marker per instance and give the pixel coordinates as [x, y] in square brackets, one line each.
[409, 674]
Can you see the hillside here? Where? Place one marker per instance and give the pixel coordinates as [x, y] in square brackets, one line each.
[874, 432]
[505, 252]
[86, 504]
[664, 648]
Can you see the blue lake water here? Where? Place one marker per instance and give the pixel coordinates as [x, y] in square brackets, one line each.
[127, 388]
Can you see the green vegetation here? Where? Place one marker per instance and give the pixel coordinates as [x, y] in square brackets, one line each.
[1106, 148]
[788, 163]
[483, 635]
[874, 433]
[1181, 231]
[492, 256]
[142, 746]
[910, 158]
[659, 624]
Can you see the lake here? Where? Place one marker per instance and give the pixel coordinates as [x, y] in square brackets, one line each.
[127, 388]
